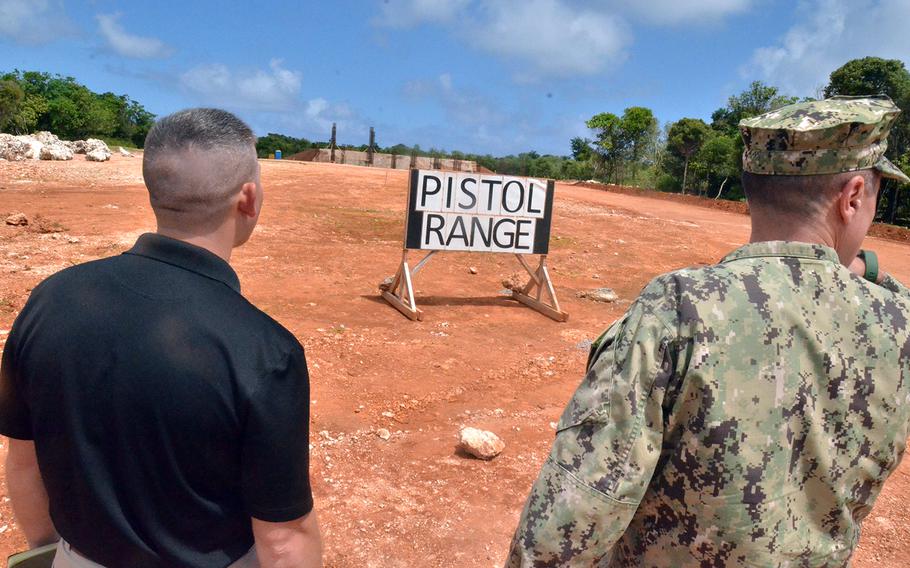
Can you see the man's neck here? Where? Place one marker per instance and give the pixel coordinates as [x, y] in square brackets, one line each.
[215, 242]
[806, 235]
[772, 227]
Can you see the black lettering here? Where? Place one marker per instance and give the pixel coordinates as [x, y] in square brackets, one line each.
[469, 192]
[431, 229]
[459, 228]
[531, 192]
[423, 189]
[490, 183]
[510, 235]
[521, 196]
[477, 225]
[450, 181]
[519, 233]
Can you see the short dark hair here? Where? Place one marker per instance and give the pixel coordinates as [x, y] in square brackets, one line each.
[216, 138]
[800, 196]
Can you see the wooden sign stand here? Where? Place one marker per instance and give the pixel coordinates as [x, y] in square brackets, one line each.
[400, 292]
[540, 280]
[517, 210]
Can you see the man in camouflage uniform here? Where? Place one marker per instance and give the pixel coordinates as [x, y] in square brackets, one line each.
[746, 413]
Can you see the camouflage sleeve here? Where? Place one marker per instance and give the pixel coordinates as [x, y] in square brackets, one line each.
[892, 283]
[607, 445]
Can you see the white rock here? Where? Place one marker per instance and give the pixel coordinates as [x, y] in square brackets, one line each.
[383, 433]
[481, 444]
[599, 295]
[92, 144]
[126, 153]
[46, 138]
[98, 155]
[472, 270]
[56, 151]
[34, 147]
[13, 149]
[17, 219]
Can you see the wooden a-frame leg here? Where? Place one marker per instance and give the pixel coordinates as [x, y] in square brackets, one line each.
[400, 292]
[539, 282]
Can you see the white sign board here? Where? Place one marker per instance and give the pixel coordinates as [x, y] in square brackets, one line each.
[478, 212]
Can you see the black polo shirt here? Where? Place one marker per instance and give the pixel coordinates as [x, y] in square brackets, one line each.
[165, 408]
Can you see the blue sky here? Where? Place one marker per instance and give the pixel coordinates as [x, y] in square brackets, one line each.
[497, 76]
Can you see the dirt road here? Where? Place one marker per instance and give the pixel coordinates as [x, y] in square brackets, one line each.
[328, 235]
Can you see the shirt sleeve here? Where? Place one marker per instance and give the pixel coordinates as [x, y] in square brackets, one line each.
[892, 283]
[275, 453]
[607, 446]
[15, 417]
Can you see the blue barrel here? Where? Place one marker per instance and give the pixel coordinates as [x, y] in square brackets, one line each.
[277, 154]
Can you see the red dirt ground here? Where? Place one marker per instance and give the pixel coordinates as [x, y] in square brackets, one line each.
[328, 235]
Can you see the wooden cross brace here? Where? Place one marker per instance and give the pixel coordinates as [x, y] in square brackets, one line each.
[400, 291]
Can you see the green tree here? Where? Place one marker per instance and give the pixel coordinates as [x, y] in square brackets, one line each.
[609, 142]
[71, 110]
[11, 98]
[137, 122]
[267, 145]
[718, 159]
[581, 148]
[685, 139]
[64, 118]
[758, 99]
[31, 110]
[637, 129]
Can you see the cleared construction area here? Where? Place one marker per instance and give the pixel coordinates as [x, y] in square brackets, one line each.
[390, 395]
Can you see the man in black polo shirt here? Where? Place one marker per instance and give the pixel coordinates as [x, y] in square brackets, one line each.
[156, 417]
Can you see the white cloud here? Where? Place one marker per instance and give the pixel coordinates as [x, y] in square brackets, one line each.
[275, 89]
[832, 33]
[672, 12]
[271, 99]
[553, 38]
[408, 13]
[127, 44]
[32, 21]
[462, 108]
[549, 35]
[319, 114]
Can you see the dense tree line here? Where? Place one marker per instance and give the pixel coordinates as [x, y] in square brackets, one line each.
[268, 144]
[693, 156]
[31, 101]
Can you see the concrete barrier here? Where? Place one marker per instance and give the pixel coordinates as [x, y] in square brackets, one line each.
[396, 161]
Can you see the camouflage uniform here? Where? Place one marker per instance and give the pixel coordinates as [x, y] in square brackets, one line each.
[742, 414]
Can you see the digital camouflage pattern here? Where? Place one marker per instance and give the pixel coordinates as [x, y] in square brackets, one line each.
[839, 134]
[742, 414]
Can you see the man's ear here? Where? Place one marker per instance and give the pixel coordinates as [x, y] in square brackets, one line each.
[247, 204]
[852, 194]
